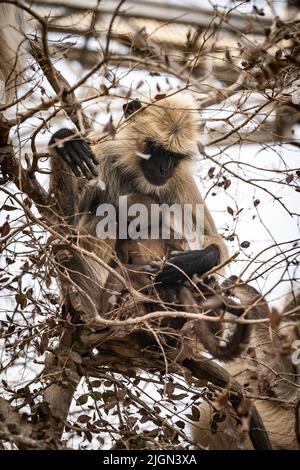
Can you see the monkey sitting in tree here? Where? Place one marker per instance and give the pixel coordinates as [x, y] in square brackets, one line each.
[169, 333]
[152, 155]
[166, 132]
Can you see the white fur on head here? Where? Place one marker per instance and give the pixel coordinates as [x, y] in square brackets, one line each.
[172, 122]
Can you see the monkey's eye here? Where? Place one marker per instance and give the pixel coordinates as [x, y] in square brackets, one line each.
[154, 148]
[179, 157]
[175, 156]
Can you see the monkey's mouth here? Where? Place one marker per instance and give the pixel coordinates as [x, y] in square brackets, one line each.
[156, 180]
[156, 175]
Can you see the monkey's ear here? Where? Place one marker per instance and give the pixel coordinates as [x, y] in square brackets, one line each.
[131, 107]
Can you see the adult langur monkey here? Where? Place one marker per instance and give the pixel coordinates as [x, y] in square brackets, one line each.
[134, 254]
[268, 373]
[166, 133]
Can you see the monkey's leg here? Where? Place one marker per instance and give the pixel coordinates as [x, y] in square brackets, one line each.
[88, 274]
[184, 265]
[204, 369]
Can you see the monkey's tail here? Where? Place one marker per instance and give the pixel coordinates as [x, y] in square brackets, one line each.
[207, 331]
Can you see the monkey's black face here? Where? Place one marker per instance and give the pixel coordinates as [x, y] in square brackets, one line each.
[160, 167]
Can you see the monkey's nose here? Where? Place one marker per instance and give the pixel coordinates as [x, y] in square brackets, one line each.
[163, 170]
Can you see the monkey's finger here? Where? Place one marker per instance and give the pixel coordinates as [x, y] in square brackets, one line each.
[80, 164]
[155, 264]
[74, 160]
[150, 269]
[89, 152]
[175, 253]
[90, 165]
[68, 160]
[84, 153]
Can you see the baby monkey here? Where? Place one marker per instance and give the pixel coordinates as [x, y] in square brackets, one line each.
[133, 262]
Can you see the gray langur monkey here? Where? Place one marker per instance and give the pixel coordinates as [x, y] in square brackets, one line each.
[132, 255]
[269, 375]
[166, 132]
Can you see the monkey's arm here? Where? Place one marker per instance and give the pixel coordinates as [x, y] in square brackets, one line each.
[211, 235]
[198, 261]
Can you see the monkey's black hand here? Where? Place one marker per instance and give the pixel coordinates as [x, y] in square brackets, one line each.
[75, 152]
[186, 264]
